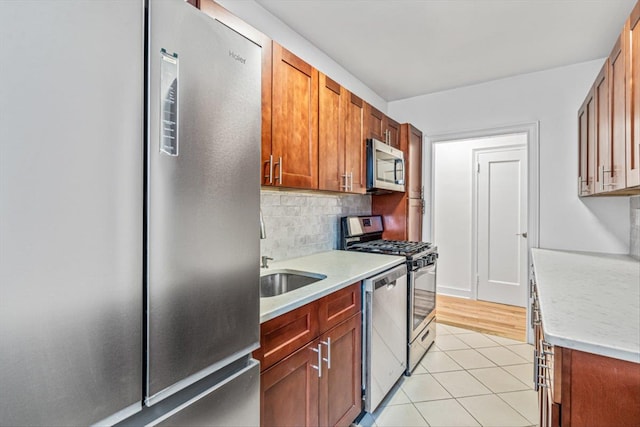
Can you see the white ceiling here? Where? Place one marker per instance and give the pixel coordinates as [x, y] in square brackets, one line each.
[405, 48]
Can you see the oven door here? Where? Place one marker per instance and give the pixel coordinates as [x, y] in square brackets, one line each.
[422, 299]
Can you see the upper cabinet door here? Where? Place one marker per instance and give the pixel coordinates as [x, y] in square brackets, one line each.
[375, 123]
[294, 128]
[392, 129]
[632, 31]
[355, 148]
[331, 110]
[601, 94]
[412, 137]
[615, 173]
[586, 138]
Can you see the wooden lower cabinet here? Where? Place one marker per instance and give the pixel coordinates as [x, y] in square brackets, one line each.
[587, 389]
[583, 389]
[340, 385]
[312, 363]
[289, 391]
[320, 384]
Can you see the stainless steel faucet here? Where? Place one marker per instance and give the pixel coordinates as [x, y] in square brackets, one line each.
[263, 230]
[265, 261]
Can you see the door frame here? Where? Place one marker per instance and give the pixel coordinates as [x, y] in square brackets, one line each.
[532, 131]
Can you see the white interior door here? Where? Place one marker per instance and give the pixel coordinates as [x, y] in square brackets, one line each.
[502, 226]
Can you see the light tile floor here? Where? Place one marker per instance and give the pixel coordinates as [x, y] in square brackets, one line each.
[466, 379]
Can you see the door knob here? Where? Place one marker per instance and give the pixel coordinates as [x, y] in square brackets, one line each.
[522, 234]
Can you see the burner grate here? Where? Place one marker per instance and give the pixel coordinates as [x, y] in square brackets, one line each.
[392, 246]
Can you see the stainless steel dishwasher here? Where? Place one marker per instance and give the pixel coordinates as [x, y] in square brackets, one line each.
[385, 337]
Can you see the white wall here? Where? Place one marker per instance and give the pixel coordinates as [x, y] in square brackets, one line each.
[261, 19]
[453, 210]
[551, 97]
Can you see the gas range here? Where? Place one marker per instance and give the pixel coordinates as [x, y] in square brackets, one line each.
[364, 234]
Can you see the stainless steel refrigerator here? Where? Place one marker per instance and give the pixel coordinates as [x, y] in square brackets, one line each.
[129, 215]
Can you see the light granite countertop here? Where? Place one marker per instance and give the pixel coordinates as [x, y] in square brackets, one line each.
[342, 269]
[590, 301]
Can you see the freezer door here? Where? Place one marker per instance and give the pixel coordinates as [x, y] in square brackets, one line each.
[71, 211]
[234, 402]
[204, 197]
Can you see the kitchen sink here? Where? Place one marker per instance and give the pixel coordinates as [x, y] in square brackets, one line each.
[283, 281]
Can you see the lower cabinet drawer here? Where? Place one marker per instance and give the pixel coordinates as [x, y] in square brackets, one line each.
[284, 334]
[339, 306]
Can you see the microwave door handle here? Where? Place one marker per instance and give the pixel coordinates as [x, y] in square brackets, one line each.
[401, 171]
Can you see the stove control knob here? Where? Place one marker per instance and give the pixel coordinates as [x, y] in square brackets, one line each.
[419, 263]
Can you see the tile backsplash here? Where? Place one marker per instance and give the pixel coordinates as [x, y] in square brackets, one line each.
[634, 243]
[303, 223]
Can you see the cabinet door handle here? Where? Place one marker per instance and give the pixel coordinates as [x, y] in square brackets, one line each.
[270, 176]
[532, 314]
[580, 186]
[535, 369]
[279, 177]
[351, 181]
[346, 182]
[328, 358]
[319, 366]
[602, 171]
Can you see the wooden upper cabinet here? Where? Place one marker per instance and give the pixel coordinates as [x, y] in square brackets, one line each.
[610, 120]
[381, 127]
[601, 96]
[392, 129]
[355, 147]
[341, 144]
[632, 48]
[615, 173]
[586, 138]
[331, 137]
[411, 144]
[375, 120]
[294, 121]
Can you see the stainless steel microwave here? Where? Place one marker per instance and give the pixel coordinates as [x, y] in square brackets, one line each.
[385, 168]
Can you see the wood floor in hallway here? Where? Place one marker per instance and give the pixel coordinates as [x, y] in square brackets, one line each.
[486, 317]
